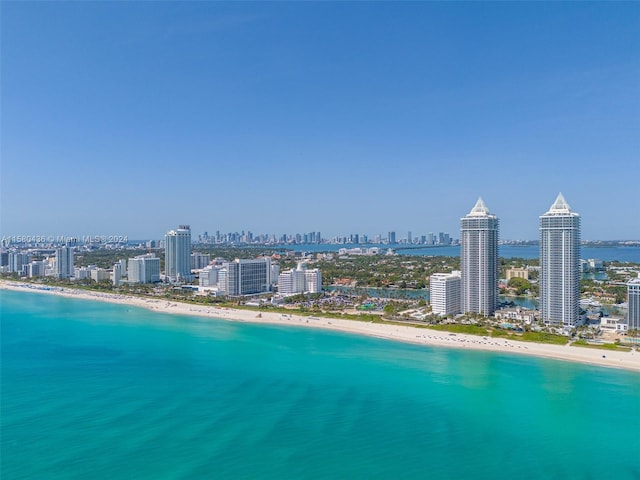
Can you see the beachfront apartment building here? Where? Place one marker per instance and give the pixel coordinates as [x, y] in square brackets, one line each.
[116, 274]
[178, 254]
[210, 276]
[560, 265]
[64, 262]
[91, 272]
[99, 274]
[36, 268]
[445, 293]
[199, 260]
[633, 300]
[247, 277]
[144, 269]
[300, 280]
[479, 260]
[16, 261]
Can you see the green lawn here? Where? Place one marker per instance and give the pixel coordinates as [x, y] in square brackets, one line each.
[603, 346]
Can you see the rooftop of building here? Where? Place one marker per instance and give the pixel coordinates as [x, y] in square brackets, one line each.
[480, 209]
[560, 207]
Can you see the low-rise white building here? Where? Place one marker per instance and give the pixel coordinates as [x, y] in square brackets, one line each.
[614, 325]
[516, 313]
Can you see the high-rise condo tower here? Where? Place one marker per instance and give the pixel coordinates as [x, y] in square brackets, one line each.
[479, 260]
[64, 262]
[178, 254]
[560, 265]
[633, 290]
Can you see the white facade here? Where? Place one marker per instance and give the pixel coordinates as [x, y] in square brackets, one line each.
[178, 254]
[560, 265]
[36, 269]
[287, 282]
[313, 280]
[445, 293]
[633, 291]
[516, 313]
[210, 276]
[300, 280]
[81, 273]
[99, 274]
[144, 269]
[64, 262]
[116, 274]
[222, 281]
[479, 260]
[614, 325]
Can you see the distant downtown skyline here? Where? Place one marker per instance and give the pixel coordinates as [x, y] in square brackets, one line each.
[392, 237]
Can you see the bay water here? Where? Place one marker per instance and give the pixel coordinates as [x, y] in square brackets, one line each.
[103, 391]
[618, 253]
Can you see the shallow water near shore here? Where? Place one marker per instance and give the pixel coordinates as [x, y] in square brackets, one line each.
[96, 390]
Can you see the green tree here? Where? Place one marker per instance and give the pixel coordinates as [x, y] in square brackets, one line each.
[521, 285]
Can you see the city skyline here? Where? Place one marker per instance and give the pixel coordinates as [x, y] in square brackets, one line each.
[380, 116]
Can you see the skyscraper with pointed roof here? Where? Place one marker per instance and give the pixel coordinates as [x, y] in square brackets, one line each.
[479, 260]
[560, 265]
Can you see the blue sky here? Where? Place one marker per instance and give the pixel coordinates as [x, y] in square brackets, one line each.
[344, 117]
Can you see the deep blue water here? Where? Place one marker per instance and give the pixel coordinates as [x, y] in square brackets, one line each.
[101, 391]
[621, 254]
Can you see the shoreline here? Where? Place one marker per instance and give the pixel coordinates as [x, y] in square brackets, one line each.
[399, 333]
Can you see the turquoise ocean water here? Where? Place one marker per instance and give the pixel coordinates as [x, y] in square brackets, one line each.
[99, 391]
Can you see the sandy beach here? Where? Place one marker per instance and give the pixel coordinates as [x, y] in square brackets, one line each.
[616, 359]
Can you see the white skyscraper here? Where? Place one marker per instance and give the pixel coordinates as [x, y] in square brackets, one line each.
[560, 265]
[444, 293]
[479, 260]
[633, 290]
[178, 254]
[64, 262]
